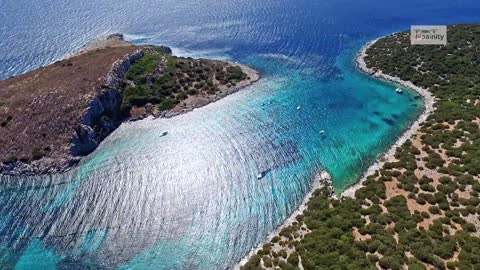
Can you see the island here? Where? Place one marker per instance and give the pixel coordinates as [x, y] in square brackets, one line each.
[419, 206]
[53, 116]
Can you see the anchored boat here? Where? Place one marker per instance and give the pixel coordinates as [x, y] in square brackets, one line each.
[262, 174]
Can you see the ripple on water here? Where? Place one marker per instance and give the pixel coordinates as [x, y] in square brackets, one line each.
[192, 199]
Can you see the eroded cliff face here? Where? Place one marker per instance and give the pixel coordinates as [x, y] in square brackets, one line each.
[100, 118]
[55, 115]
[103, 115]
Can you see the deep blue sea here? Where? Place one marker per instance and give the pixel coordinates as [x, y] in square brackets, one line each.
[191, 200]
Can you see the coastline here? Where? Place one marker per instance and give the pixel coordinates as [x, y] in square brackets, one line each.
[193, 102]
[106, 95]
[320, 180]
[101, 42]
[196, 102]
[428, 108]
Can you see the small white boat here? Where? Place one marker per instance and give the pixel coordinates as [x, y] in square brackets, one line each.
[262, 174]
[298, 108]
[322, 132]
[398, 90]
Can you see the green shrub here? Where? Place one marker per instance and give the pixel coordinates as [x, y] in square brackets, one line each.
[267, 262]
[293, 259]
[434, 210]
[166, 104]
[37, 153]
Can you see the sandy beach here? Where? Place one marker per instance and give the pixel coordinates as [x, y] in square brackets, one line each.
[428, 101]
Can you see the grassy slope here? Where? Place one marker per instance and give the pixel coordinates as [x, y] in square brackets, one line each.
[420, 211]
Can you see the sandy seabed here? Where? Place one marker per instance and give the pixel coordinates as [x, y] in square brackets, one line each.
[428, 101]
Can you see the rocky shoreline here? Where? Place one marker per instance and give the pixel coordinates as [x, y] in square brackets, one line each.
[420, 194]
[103, 115]
[428, 101]
[321, 179]
[84, 138]
[193, 103]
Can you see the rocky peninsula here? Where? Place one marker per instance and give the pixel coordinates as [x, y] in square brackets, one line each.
[53, 116]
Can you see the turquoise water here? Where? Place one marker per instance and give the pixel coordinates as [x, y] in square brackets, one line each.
[191, 200]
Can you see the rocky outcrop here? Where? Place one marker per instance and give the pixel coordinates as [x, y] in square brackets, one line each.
[103, 115]
[43, 166]
[81, 104]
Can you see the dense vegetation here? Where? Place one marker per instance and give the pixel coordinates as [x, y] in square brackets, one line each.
[421, 210]
[165, 80]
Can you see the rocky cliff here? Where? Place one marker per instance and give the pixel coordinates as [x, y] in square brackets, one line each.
[103, 114]
[53, 116]
[77, 104]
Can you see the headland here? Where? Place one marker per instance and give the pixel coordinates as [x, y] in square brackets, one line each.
[53, 116]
